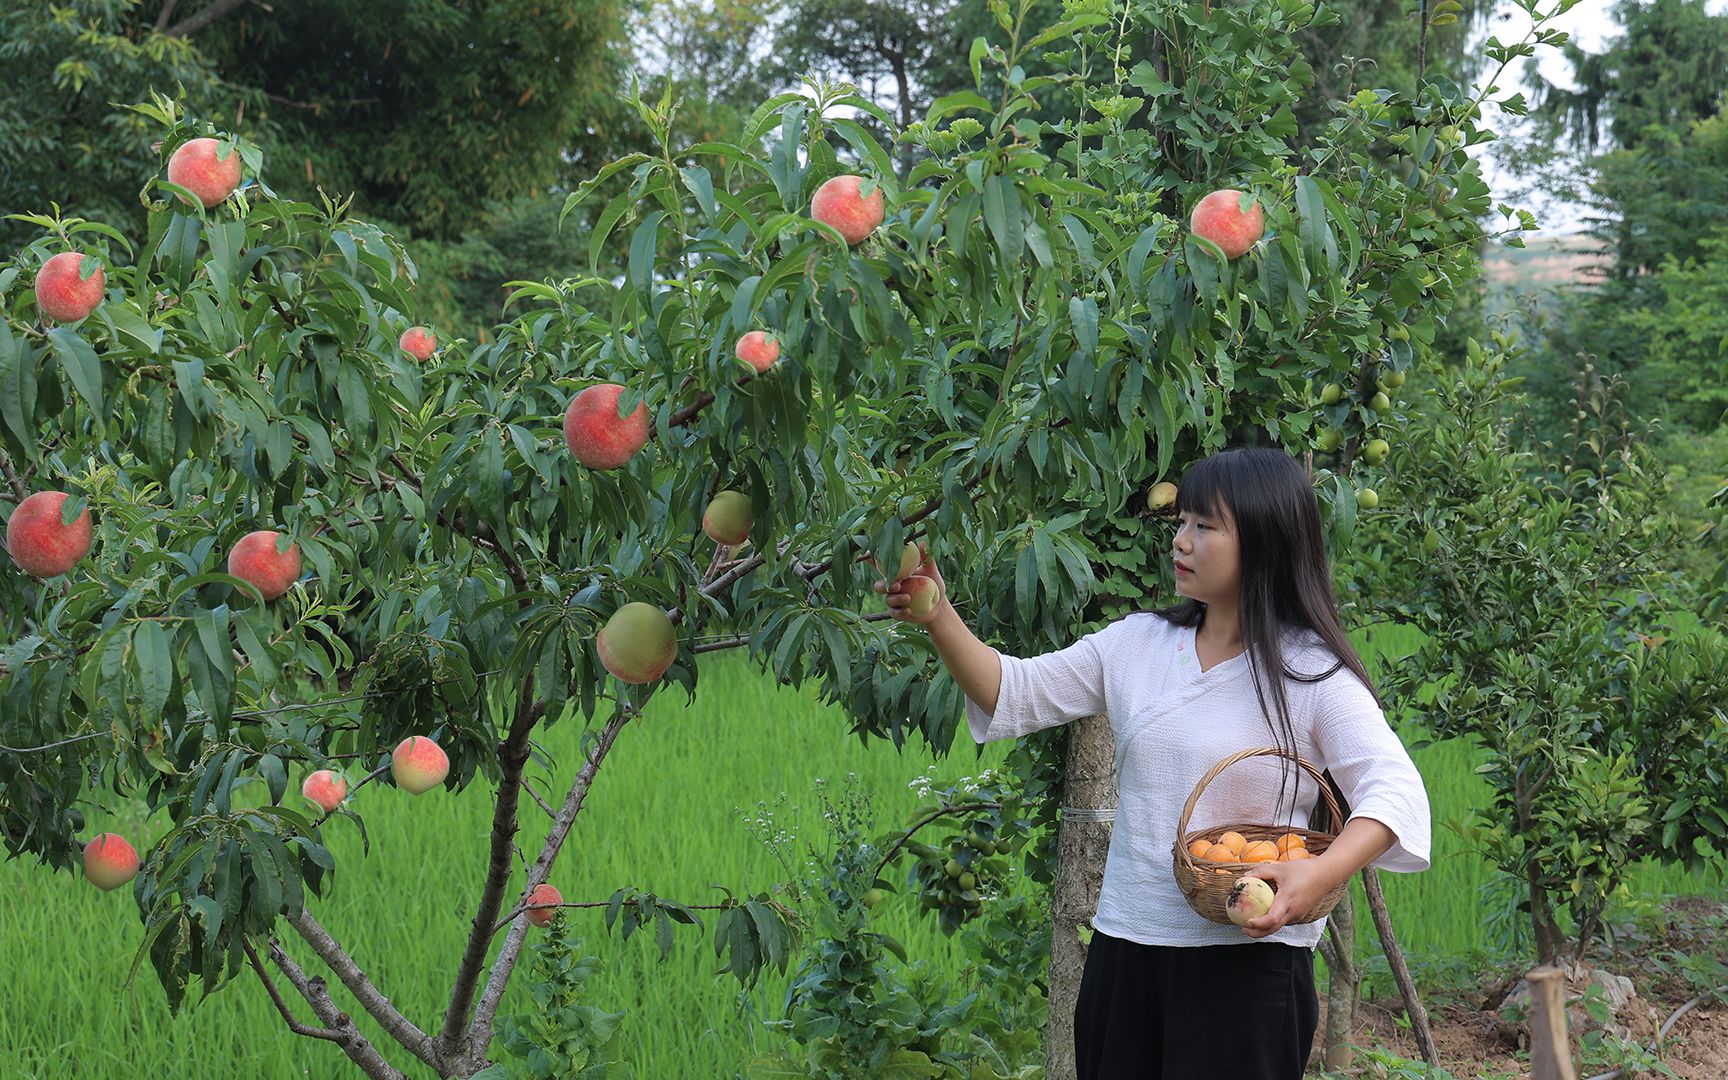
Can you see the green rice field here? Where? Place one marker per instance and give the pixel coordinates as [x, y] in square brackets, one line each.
[665, 815]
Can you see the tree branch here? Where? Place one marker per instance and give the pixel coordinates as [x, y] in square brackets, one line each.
[167, 13]
[270, 987]
[480, 1034]
[12, 480]
[355, 1045]
[401, 1029]
[512, 757]
[193, 23]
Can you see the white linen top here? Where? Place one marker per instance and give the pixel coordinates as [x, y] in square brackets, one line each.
[1172, 723]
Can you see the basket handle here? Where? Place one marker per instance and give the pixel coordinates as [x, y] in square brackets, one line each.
[1243, 755]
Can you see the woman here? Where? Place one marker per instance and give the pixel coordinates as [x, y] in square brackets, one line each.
[1166, 993]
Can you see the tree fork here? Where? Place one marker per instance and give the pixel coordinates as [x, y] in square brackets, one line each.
[480, 1031]
[513, 758]
[359, 1050]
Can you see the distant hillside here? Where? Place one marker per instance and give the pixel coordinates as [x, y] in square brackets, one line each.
[1544, 264]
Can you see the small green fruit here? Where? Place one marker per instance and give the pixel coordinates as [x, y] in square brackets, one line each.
[1376, 450]
[1329, 439]
[1395, 379]
[1398, 332]
[728, 518]
[1380, 402]
[967, 880]
[1431, 541]
[953, 869]
[1331, 394]
[1367, 498]
[872, 898]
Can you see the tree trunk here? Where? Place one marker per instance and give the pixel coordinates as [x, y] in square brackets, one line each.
[1548, 937]
[1344, 983]
[1088, 784]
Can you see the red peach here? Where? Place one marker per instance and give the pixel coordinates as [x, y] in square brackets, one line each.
[595, 433]
[325, 789]
[419, 342]
[62, 293]
[1219, 218]
[419, 764]
[109, 861]
[39, 543]
[758, 349]
[197, 167]
[543, 894]
[839, 204]
[255, 559]
[923, 592]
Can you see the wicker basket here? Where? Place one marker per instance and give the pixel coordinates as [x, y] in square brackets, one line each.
[1207, 884]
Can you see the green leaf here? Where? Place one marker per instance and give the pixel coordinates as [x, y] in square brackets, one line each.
[82, 366]
[1002, 213]
[17, 386]
[643, 245]
[270, 768]
[153, 668]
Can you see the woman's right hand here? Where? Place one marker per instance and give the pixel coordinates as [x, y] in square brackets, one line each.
[900, 595]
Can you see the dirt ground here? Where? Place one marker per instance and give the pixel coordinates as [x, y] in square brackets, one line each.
[1473, 1041]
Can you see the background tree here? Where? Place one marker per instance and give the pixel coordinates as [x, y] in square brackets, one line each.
[1536, 580]
[447, 121]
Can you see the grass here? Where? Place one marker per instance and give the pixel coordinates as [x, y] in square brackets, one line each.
[665, 815]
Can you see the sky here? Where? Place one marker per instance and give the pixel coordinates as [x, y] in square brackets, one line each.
[1590, 24]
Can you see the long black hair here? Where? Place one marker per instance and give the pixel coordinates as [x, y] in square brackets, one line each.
[1286, 581]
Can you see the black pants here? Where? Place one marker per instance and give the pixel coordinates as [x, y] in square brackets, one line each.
[1159, 1012]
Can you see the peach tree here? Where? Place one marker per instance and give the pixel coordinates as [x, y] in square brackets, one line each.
[994, 355]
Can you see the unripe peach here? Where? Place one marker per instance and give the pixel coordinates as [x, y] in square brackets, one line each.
[1219, 218]
[63, 293]
[728, 518]
[758, 349]
[325, 789]
[418, 764]
[255, 559]
[909, 560]
[197, 168]
[595, 433]
[923, 592]
[40, 545]
[543, 894]
[109, 861]
[1249, 899]
[839, 204]
[637, 644]
[419, 342]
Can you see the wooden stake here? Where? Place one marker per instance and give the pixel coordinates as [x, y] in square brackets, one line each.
[1550, 1046]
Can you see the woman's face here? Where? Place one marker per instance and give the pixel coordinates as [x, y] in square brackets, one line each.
[1208, 567]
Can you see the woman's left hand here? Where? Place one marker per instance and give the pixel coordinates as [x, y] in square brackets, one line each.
[1299, 886]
